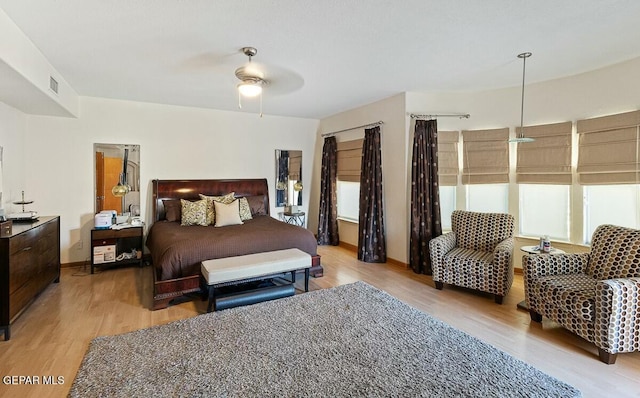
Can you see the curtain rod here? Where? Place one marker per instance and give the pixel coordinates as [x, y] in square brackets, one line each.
[436, 115]
[379, 122]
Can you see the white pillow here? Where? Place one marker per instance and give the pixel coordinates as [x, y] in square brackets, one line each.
[227, 214]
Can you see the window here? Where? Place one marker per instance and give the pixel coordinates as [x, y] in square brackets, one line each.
[544, 210]
[610, 204]
[447, 205]
[488, 198]
[348, 200]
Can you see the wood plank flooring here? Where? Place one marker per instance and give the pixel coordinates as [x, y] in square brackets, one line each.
[52, 336]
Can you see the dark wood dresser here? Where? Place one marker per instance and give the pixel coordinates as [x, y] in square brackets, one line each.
[29, 262]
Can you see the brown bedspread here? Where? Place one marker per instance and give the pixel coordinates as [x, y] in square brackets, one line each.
[177, 251]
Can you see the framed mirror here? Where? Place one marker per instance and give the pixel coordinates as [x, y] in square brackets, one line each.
[117, 177]
[288, 178]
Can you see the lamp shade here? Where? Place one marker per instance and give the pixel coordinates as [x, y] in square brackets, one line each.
[250, 89]
[119, 190]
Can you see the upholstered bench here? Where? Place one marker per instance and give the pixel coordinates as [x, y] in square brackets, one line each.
[252, 267]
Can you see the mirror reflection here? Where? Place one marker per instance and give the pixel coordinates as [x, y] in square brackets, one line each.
[288, 178]
[117, 177]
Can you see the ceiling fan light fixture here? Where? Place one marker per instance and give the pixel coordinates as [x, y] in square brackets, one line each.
[250, 88]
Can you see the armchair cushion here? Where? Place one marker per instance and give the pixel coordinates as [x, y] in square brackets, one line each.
[467, 263]
[572, 293]
[481, 231]
[615, 253]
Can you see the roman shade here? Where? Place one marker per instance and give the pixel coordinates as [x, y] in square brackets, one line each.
[448, 169]
[485, 156]
[349, 159]
[608, 149]
[547, 160]
[295, 165]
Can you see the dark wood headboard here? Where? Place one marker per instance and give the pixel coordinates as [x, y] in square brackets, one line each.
[190, 189]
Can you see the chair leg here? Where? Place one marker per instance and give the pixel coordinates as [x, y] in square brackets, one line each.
[607, 357]
[439, 285]
[498, 298]
[535, 316]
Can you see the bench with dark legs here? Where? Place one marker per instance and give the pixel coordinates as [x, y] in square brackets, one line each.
[228, 271]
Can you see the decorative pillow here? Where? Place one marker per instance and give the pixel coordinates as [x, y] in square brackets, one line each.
[194, 213]
[227, 214]
[245, 210]
[172, 209]
[211, 211]
[256, 203]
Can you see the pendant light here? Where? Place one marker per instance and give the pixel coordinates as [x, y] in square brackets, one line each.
[520, 134]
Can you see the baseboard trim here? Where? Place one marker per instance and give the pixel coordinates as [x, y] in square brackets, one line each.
[75, 264]
[390, 260]
[517, 271]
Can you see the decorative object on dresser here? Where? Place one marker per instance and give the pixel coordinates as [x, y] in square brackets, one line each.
[26, 216]
[349, 341]
[178, 250]
[113, 247]
[30, 261]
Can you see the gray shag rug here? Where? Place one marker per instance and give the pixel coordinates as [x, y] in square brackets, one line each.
[351, 340]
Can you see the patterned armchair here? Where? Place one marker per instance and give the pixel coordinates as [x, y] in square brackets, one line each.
[477, 254]
[595, 295]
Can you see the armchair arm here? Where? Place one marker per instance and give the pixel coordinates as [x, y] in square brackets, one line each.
[537, 265]
[503, 250]
[503, 266]
[438, 247]
[617, 303]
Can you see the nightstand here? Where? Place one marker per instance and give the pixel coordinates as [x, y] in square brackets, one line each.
[297, 218]
[114, 247]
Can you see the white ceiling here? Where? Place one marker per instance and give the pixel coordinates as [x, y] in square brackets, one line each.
[323, 56]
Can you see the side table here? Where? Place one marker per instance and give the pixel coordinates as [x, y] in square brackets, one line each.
[293, 218]
[110, 247]
[535, 250]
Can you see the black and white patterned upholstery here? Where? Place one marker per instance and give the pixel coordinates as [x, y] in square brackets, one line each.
[476, 254]
[595, 295]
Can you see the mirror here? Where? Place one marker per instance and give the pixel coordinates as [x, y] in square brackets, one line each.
[288, 178]
[117, 178]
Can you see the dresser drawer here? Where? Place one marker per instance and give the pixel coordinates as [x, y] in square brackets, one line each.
[26, 240]
[32, 254]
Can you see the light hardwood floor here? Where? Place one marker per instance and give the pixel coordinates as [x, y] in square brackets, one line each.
[51, 337]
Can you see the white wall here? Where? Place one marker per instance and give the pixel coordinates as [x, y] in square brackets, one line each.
[175, 143]
[12, 138]
[393, 142]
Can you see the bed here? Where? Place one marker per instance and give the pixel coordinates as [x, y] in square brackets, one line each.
[177, 251]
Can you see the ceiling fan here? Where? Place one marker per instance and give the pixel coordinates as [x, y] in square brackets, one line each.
[251, 77]
[255, 77]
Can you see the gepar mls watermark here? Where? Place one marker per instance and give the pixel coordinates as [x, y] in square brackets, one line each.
[33, 380]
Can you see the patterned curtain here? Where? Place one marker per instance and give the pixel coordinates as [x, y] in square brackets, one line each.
[425, 198]
[372, 247]
[328, 218]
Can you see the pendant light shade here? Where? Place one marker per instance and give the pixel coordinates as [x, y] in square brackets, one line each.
[520, 134]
